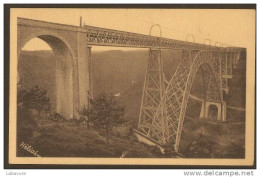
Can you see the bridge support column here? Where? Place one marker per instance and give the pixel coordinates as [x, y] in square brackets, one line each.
[84, 77]
[224, 111]
[203, 110]
[153, 91]
[221, 110]
[64, 86]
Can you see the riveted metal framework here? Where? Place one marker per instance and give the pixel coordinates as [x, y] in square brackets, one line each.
[167, 123]
[152, 93]
[109, 37]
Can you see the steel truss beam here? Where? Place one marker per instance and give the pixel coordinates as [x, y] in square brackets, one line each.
[109, 37]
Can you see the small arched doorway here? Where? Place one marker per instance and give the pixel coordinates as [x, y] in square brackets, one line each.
[213, 112]
[63, 71]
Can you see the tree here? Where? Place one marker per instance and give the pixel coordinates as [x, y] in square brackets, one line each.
[35, 98]
[86, 111]
[106, 113]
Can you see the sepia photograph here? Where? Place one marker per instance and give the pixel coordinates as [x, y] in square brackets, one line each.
[132, 86]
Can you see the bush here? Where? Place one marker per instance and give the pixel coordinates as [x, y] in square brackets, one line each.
[35, 98]
[104, 112]
[29, 102]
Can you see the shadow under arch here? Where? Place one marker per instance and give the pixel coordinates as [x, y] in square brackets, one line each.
[195, 103]
[201, 59]
[198, 92]
[22, 42]
[213, 112]
[64, 57]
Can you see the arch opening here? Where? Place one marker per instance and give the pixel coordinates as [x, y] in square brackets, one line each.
[199, 91]
[197, 105]
[50, 69]
[213, 112]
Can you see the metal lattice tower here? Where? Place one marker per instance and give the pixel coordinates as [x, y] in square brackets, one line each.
[152, 94]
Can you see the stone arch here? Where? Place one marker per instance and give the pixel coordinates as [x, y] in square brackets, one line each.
[28, 37]
[64, 68]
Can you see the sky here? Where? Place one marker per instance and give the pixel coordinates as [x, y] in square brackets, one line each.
[230, 27]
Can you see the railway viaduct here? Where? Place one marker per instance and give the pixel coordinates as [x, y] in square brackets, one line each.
[164, 102]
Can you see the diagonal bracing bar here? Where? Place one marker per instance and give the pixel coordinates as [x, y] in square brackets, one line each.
[152, 94]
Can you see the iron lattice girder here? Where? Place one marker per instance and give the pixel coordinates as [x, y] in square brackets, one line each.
[109, 37]
[213, 91]
[152, 93]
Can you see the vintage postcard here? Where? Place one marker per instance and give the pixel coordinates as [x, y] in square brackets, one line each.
[132, 86]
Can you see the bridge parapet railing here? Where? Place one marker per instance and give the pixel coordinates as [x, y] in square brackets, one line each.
[103, 36]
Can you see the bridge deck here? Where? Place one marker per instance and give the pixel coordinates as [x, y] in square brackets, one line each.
[108, 37]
